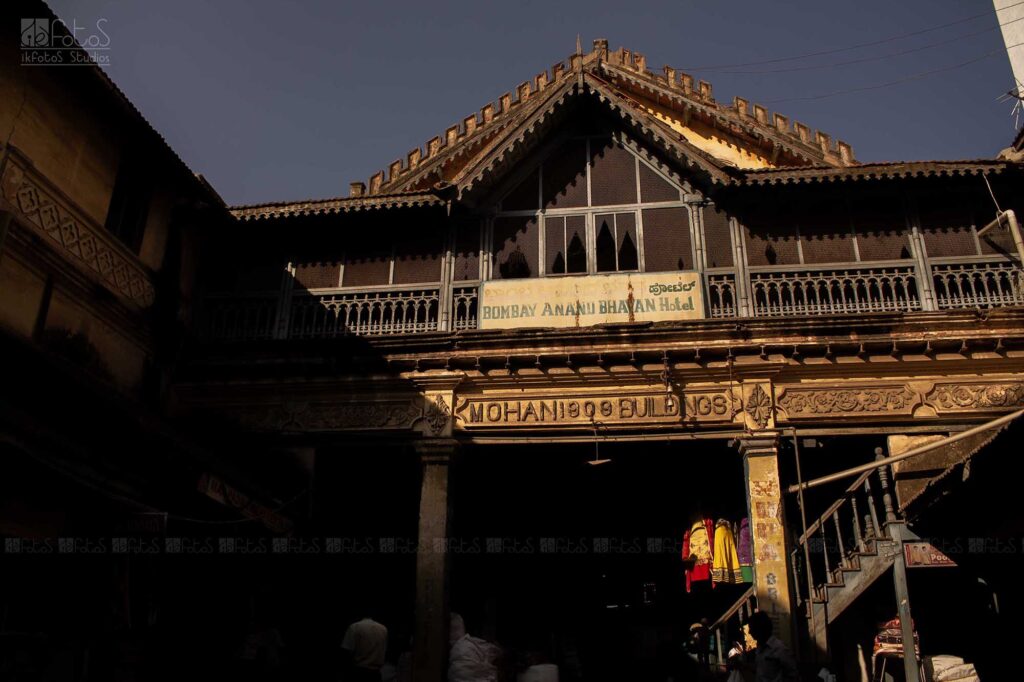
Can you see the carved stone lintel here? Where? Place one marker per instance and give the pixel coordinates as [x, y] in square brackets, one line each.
[976, 397]
[395, 414]
[809, 403]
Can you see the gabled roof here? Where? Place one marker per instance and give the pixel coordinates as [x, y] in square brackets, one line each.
[685, 120]
[732, 145]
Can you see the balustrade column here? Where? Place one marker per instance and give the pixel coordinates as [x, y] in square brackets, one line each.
[917, 248]
[744, 295]
[445, 308]
[768, 531]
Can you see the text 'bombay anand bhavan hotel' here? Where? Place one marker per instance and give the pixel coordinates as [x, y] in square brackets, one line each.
[607, 358]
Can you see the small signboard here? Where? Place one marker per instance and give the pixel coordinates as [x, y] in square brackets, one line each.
[924, 554]
[591, 299]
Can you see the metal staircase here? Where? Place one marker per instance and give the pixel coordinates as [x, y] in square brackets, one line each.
[846, 550]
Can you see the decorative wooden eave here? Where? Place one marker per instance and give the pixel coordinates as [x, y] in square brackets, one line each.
[313, 207]
[656, 132]
[514, 143]
[674, 89]
[876, 171]
[432, 164]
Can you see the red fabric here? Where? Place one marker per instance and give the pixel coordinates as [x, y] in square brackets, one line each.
[686, 556]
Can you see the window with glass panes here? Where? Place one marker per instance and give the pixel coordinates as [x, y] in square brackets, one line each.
[584, 209]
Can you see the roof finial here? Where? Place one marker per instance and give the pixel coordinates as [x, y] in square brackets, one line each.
[579, 46]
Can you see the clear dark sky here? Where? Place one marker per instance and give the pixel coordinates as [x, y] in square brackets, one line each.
[291, 100]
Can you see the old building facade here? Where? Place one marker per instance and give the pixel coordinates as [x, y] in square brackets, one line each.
[607, 258]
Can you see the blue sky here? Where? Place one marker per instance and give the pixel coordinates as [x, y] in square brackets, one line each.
[291, 100]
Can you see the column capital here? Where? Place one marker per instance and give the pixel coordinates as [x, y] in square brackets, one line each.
[759, 444]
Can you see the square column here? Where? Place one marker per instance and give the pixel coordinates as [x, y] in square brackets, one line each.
[430, 646]
[768, 531]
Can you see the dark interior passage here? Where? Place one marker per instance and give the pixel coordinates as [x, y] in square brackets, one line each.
[581, 563]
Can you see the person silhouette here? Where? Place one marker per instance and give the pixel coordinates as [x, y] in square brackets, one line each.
[773, 660]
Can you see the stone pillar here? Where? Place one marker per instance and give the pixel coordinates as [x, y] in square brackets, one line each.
[430, 647]
[768, 531]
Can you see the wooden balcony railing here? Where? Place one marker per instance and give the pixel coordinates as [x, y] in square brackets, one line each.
[240, 317]
[833, 291]
[376, 312]
[324, 313]
[464, 307]
[983, 284]
[721, 295]
[772, 292]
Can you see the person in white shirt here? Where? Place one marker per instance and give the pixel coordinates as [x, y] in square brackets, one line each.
[773, 660]
[471, 659]
[366, 642]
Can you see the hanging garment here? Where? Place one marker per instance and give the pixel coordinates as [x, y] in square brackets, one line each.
[725, 567]
[745, 551]
[697, 547]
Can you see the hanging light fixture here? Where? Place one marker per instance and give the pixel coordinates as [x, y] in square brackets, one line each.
[666, 377]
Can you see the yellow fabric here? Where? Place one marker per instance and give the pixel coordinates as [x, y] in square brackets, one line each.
[726, 565]
[700, 544]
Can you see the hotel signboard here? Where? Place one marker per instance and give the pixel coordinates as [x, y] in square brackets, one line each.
[591, 299]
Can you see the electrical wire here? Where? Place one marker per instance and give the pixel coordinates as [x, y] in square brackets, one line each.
[874, 58]
[907, 79]
[999, 211]
[837, 50]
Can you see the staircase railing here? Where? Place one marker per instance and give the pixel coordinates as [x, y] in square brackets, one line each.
[848, 529]
[735, 617]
